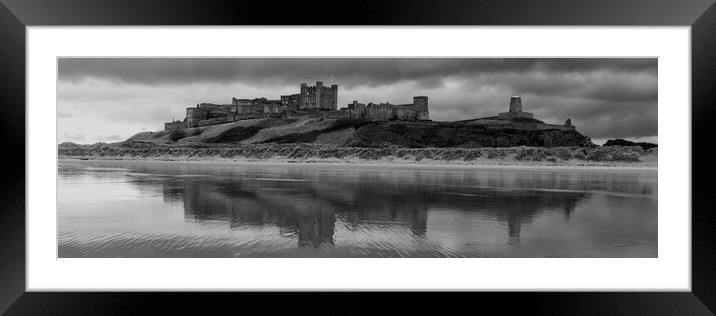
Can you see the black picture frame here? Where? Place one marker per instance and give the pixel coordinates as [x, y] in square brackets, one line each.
[15, 15]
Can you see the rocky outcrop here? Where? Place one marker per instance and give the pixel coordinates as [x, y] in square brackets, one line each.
[443, 135]
[369, 134]
[624, 142]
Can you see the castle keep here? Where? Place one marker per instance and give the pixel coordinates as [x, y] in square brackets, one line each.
[312, 98]
[317, 100]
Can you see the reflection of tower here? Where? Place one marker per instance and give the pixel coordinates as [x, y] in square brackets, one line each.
[514, 225]
[569, 206]
[419, 221]
[316, 229]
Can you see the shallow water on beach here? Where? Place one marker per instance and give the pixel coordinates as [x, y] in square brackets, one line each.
[190, 209]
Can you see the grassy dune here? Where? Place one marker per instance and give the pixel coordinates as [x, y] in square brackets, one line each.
[306, 139]
[614, 155]
[221, 133]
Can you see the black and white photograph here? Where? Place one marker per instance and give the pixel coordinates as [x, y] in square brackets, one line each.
[347, 157]
[239, 155]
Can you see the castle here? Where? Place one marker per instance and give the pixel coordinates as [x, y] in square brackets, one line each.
[315, 100]
[321, 101]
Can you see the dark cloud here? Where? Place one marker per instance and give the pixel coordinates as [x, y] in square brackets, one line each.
[605, 97]
[350, 71]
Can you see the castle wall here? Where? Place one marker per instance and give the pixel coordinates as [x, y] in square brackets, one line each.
[291, 101]
[379, 114]
[511, 115]
[423, 115]
[389, 112]
[247, 116]
[502, 124]
[240, 102]
[532, 127]
[405, 113]
[170, 126]
[250, 108]
[194, 115]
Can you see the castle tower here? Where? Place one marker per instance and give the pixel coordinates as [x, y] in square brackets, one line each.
[334, 99]
[319, 95]
[515, 104]
[515, 110]
[421, 102]
[303, 98]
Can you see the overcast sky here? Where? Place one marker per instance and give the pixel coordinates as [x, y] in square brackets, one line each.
[110, 99]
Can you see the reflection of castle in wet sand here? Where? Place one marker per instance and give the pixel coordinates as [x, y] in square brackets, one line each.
[167, 209]
[310, 211]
